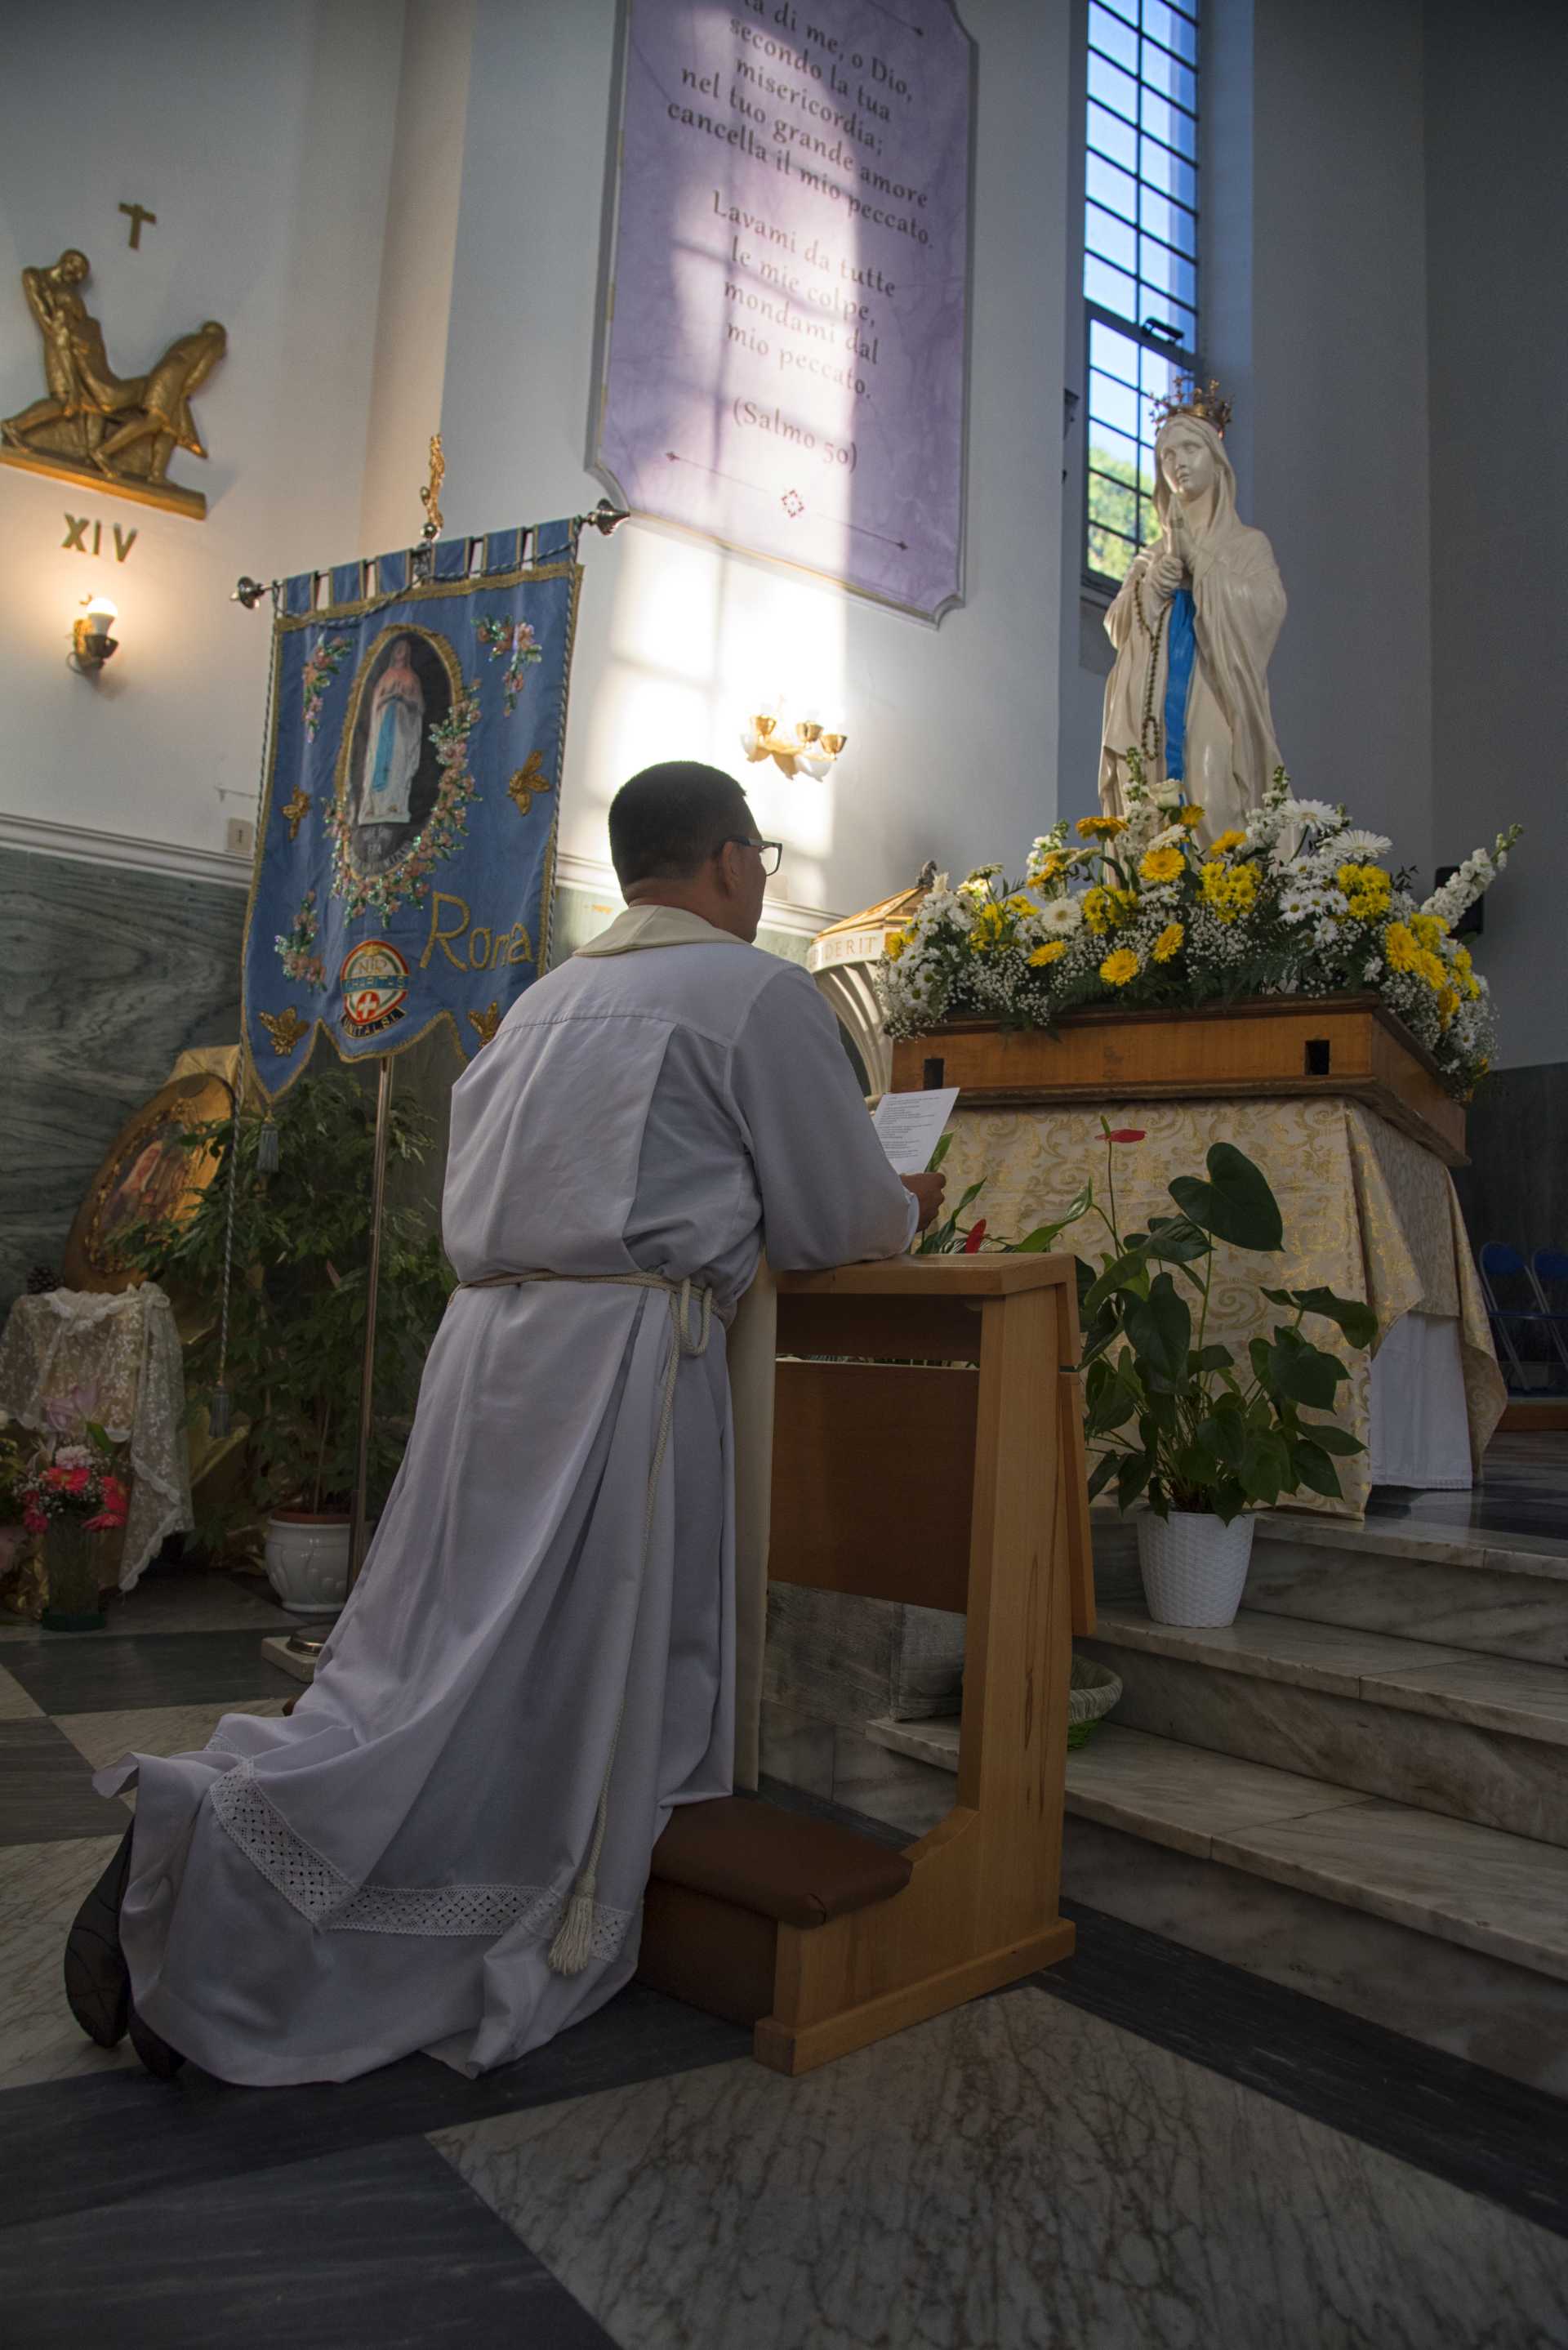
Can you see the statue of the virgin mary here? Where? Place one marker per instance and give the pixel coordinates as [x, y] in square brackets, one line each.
[1194, 624]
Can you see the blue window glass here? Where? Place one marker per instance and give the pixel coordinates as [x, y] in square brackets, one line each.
[1140, 258]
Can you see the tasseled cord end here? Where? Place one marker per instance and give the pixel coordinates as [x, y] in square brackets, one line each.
[574, 1944]
[266, 1148]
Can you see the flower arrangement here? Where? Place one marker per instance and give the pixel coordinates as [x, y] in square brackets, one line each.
[72, 1491]
[295, 947]
[320, 668]
[1134, 911]
[514, 640]
[438, 838]
[76, 1471]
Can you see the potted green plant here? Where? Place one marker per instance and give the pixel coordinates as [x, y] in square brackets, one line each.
[1178, 1423]
[295, 1334]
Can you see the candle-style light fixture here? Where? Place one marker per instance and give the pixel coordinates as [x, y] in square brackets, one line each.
[91, 642]
[804, 746]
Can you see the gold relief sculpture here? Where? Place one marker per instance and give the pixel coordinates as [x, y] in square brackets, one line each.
[527, 782]
[117, 432]
[487, 1021]
[286, 1028]
[296, 810]
[429, 496]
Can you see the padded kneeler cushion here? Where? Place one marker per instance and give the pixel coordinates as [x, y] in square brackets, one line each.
[781, 1865]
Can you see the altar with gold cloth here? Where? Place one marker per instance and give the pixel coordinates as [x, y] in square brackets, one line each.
[1368, 1211]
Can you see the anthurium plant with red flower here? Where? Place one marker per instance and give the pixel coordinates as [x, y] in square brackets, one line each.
[1174, 1418]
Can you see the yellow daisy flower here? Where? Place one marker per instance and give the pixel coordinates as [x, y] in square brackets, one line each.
[1051, 951]
[1399, 947]
[1100, 827]
[1168, 944]
[1226, 842]
[1162, 864]
[1190, 817]
[895, 942]
[1118, 968]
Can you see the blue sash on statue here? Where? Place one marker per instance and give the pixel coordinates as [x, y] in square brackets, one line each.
[1181, 642]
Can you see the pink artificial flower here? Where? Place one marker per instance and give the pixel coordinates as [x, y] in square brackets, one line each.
[73, 1456]
[34, 1519]
[973, 1238]
[77, 1480]
[106, 1522]
[56, 1477]
[114, 1496]
[1126, 1134]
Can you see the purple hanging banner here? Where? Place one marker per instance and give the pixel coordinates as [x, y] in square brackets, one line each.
[783, 354]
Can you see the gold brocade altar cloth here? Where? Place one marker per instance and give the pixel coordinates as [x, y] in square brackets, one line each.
[1367, 1213]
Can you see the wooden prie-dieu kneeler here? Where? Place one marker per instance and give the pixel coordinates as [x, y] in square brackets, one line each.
[928, 1447]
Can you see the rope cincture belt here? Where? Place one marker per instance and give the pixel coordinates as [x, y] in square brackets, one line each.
[574, 1943]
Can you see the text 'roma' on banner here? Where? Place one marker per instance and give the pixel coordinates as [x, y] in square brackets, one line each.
[405, 847]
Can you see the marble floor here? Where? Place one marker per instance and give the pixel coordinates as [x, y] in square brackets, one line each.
[1144, 2147]
[1523, 1491]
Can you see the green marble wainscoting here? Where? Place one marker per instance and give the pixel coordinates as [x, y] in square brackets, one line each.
[106, 974]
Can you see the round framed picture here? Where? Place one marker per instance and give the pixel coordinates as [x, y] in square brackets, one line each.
[149, 1175]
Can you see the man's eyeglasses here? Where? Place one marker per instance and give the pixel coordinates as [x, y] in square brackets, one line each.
[770, 851]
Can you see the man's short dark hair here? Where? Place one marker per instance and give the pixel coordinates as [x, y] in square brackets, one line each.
[667, 822]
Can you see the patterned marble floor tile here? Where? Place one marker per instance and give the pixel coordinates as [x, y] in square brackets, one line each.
[156, 1729]
[163, 1602]
[41, 1887]
[80, 2144]
[1183, 1795]
[383, 2246]
[46, 1788]
[103, 1676]
[1019, 2173]
[15, 1705]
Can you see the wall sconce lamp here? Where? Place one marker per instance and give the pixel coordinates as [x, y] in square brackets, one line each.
[803, 746]
[92, 643]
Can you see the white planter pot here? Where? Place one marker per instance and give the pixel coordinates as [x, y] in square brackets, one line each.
[1194, 1566]
[307, 1563]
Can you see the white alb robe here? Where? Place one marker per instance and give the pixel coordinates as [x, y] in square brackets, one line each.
[384, 1871]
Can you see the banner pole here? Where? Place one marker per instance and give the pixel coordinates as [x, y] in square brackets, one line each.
[360, 1522]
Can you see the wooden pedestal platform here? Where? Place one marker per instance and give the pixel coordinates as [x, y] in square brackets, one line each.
[1278, 1044]
[947, 1469]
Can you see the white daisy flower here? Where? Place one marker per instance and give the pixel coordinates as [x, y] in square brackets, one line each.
[1062, 917]
[1353, 843]
[1316, 812]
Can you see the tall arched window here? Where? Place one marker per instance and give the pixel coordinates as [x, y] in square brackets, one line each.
[1140, 258]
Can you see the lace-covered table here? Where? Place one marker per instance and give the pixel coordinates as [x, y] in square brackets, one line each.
[127, 1349]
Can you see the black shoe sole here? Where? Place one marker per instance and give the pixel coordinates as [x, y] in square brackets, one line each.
[158, 2059]
[98, 1980]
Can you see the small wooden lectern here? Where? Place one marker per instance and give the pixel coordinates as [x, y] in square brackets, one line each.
[942, 1463]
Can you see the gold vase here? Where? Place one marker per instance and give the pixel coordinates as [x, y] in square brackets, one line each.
[75, 1562]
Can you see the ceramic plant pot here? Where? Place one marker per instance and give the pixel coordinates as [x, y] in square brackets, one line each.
[1194, 1566]
[308, 1561]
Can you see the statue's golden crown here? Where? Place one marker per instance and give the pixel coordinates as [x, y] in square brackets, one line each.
[1188, 397]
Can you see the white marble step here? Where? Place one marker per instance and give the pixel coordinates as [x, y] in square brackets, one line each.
[1504, 1895]
[1503, 1595]
[1501, 1693]
[1480, 1739]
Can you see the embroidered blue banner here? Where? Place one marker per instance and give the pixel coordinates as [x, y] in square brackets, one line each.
[408, 829]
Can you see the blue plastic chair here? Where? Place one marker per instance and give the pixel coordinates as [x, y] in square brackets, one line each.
[1549, 1279]
[1523, 1324]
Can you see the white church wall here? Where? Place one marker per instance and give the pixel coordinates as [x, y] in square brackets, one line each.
[1498, 198]
[262, 138]
[950, 731]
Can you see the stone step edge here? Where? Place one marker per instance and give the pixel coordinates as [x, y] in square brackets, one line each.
[1378, 1539]
[1186, 1644]
[1226, 1851]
